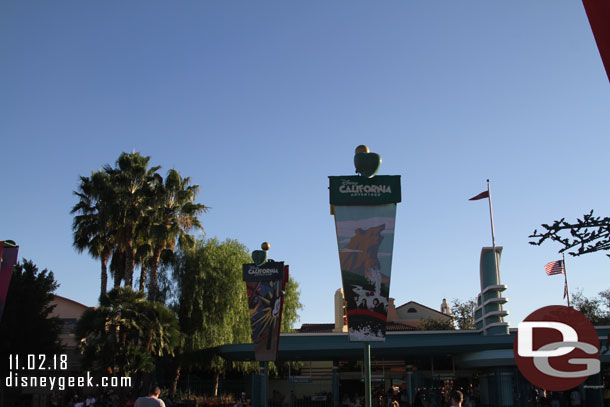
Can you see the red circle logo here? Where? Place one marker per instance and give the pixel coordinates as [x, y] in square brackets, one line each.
[556, 348]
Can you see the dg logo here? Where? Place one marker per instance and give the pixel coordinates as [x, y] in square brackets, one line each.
[556, 348]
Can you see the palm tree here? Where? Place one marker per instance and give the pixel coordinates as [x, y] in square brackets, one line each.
[132, 183]
[128, 215]
[126, 332]
[173, 215]
[92, 226]
[143, 255]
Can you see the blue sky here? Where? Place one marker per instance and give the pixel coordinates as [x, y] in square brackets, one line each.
[260, 101]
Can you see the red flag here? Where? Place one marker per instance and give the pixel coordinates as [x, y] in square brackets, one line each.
[482, 195]
[554, 267]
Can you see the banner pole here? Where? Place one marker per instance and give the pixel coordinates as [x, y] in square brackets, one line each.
[263, 366]
[367, 375]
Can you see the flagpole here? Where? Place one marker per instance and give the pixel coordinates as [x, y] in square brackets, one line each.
[493, 236]
[565, 275]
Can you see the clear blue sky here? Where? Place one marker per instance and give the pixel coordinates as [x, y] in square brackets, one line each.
[259, 101]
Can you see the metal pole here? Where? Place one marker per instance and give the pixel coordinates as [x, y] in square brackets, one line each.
[409, 386]
[367, 375]
[336, 399]
[565, 275]
[263, 372]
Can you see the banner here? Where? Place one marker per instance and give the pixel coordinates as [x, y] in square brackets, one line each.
[365, 214]
[8, 254]
[265, 285]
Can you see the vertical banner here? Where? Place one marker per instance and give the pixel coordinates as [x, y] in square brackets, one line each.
[265, 285]
[8, 254]
[365, 214]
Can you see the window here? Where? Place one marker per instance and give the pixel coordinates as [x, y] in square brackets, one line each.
[69, 325]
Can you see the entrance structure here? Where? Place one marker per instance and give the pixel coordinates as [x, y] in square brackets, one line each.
[424, 361]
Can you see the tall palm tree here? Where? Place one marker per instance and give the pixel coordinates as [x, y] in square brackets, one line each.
[173, 215]
[132, 184]
[92, 225]
[143, 251]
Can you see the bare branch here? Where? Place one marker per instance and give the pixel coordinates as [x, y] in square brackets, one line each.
[587, 235]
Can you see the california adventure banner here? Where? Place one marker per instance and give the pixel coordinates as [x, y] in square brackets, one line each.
[265, 285]
[365, 238]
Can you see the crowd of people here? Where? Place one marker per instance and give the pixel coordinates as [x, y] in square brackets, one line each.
[394, 397]
[102, 399]
[397, 397]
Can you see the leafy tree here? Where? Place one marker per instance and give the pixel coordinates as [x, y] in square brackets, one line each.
[29, 299]
[212, 304]
[26, 326]
[433, 324]
[292, 305]
[587, 235]
[596, 309]
[463, 313]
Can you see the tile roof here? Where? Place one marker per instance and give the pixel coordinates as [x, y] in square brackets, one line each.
[390, 326]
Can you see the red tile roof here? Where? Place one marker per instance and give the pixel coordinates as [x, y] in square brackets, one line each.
[390, 326]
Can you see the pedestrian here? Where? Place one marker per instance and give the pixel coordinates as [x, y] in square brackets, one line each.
[575, 398]
[152, 400]
[243, 401]
[456, 398]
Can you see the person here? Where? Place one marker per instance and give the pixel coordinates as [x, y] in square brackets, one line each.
[456, 398]
[243, 400]
[54, 399]
[152, 400]
[555, 399]
[363, 304]
[575, 398]
[90, 401]
[102, 400]
[114, 399]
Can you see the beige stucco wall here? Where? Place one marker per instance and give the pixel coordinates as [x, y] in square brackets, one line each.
[66, 308]
[422, 313]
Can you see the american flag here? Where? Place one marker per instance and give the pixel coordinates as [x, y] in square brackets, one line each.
[554, 267]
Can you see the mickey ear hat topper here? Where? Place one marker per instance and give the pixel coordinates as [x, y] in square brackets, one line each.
[260, 256]
[367, 164]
